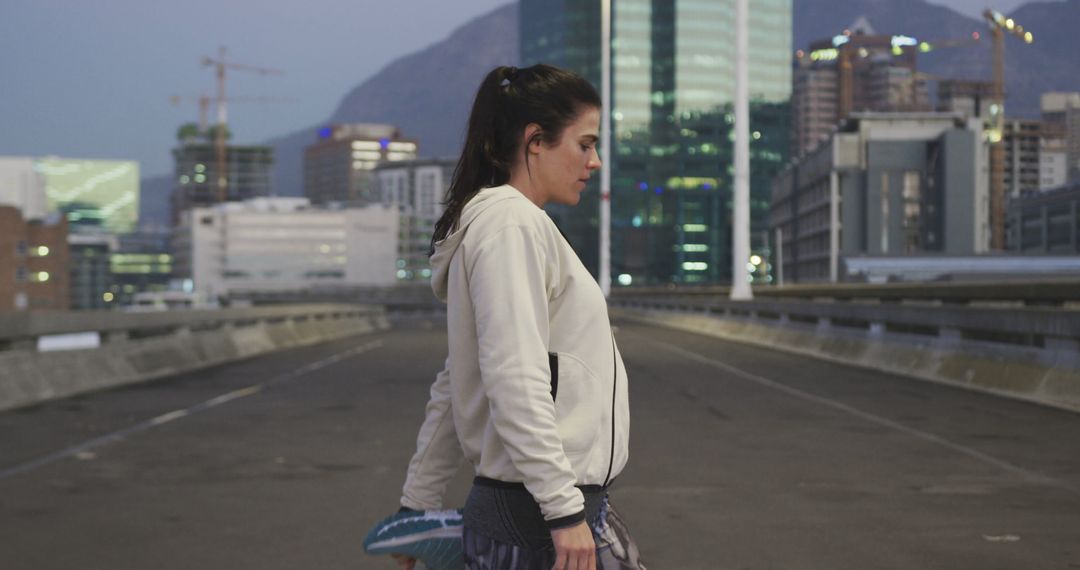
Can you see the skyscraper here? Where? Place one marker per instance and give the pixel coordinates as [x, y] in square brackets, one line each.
[338, 167]
[673, 87]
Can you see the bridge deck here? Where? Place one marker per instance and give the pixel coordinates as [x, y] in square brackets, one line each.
[741, 458]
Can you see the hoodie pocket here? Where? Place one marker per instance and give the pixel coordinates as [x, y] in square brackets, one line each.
[578, 401]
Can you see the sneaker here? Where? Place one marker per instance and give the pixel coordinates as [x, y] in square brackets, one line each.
[432, 537]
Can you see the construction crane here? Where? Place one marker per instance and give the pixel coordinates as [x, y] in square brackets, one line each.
[221, 65]
[999, 26]
[205, 100]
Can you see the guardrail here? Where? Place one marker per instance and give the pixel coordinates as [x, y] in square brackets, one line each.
[1053, 292]
[52, 355]
[1027, 352]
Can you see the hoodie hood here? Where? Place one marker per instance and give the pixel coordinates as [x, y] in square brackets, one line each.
[446, 247]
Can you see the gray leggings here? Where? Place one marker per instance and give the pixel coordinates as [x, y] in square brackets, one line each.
[615, 548]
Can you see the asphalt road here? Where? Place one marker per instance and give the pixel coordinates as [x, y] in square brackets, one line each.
[741, 458]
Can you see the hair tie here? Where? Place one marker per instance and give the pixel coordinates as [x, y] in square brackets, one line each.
[511, 75]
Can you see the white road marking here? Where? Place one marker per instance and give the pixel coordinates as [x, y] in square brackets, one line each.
[1026, 474]
[82, 450]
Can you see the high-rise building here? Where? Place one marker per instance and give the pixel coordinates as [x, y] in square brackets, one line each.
[22, 186]
[884, 184]
[416, 188]
[247, 174]
[855, 71]
[337, 168]
[1062, 110]
[141, 263]
[1053, 162]
[1023, 143]
[673, 85]
[1046, 222]
[267, 245]
[91, 270]
[33, 262]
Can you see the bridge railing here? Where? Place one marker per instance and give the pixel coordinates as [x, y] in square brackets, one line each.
[1022, 340]
[53, 355]
[1046, 292]
[23, 330]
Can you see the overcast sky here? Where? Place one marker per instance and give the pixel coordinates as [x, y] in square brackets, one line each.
[974, 8]
[92, 79]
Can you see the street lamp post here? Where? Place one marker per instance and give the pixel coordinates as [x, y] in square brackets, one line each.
[605, 146]
[740, 234]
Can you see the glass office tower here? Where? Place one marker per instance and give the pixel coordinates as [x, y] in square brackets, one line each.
[673, 84]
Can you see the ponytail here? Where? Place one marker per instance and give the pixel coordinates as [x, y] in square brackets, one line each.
[507, 101]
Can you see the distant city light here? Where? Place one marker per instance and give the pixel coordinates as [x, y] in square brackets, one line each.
[840, 40]
[1028, 37]
[326, 132]
[625, 279]
[904, 41]
[384, 143]
[43, 250]
[755, 259]
[43, 276]
[107, 297]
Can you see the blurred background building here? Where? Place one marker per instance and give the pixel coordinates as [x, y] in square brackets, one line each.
[246, 169]
[338, 167]
[888, 184]
[672, 92]
[415, 188]
[266, 245]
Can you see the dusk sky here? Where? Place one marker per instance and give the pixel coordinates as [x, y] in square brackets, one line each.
[93, 79]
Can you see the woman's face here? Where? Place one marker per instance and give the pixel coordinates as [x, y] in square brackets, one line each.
[561, 170]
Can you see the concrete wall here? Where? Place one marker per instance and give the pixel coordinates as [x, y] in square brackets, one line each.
[28, 376]
[1049, 381]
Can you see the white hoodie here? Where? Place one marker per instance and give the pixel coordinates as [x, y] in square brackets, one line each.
[520, 304]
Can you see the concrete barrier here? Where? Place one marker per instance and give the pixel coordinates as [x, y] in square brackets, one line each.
[28, 377]
[1015, 373]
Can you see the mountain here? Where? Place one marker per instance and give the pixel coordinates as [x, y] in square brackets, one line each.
[1048, 64]
[426, 94]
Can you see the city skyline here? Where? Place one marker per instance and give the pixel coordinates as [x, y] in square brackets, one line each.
[94, 80]
[110, 116]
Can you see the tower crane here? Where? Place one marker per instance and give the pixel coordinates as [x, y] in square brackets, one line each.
[999, 26]
[204, 101]
[221, 65]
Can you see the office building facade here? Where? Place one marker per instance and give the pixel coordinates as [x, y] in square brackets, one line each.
[338, 167]
[855, 71]
[33, 262]
[1062, 111]
[247, 175]
[673, 84]
[416, 189]
[884, 184]
[1047, 222]
[268, 245]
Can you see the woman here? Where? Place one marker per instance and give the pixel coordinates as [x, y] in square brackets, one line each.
[534, 390]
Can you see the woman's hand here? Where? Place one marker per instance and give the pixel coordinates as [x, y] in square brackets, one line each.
[574, 548]
[406, 562]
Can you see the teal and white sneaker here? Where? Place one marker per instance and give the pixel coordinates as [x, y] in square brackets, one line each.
[432, 537]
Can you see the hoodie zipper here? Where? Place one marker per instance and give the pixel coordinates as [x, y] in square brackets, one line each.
[614, 386]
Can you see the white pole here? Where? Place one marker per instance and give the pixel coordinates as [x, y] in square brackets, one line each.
[740, 242]
[605, 147]
[779, 257]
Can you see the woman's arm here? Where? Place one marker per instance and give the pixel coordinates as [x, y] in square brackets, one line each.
[438, 453]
